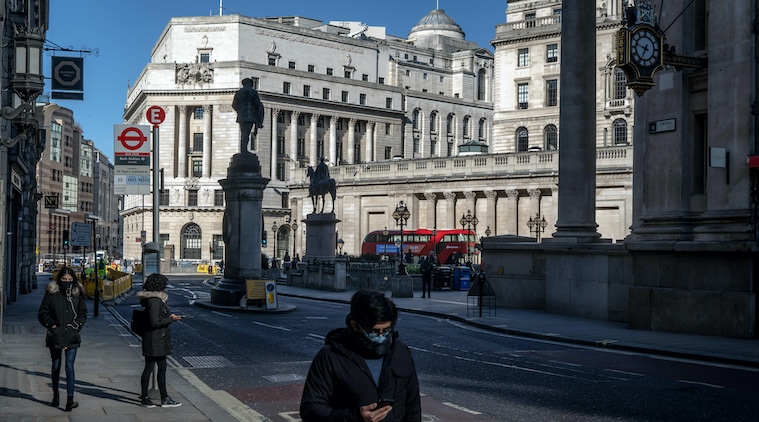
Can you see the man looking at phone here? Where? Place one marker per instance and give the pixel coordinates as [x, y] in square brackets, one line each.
[363, 372]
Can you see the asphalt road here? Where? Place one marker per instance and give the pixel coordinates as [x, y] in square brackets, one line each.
[465, 374]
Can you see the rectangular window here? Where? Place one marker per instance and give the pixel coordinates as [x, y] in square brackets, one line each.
[388, 103]
[344, 96]
[197, 113]
[530, 19]
[272, 61]
[285, 87]
[365, 77]
[387, 129]
[325, 93]
[362, 99]
[197, 168]
[388, 153]
[301, 148]
[347, 74]
[255, 82]
[164, 239]
[197, 142]
[552, 92]
[192, 198]
[281, 144]
[306, 90]
[218, 246]
[311, 68]
[381, 81]
[424, 76]
[291, 65]
[205, 57]
[330, 72]
[218, 197]
[522, 96]
[523, 57]
[164, 198]
[552, 53]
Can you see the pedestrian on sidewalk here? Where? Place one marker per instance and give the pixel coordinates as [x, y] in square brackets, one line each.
[425, 266]
[156, 342]
[63, 312]
[363, 372]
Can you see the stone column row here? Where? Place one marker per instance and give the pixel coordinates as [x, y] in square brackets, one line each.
[183, 117]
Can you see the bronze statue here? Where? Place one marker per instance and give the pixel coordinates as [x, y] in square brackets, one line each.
[250, 112]
[320, 185]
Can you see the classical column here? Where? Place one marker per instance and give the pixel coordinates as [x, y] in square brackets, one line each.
[471, 202]
[577, 153]
[182, 141]
[450, 207]
[369, 147]
[535, 195]
[207, 117]
[313, 152]
[294, 143]
[431, 198]
[491, 196]
[351, 142]
[511, 216]
[333, 140]
[274, 143]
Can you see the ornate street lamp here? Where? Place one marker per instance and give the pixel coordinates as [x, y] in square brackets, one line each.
[537, 226]
[487, 231]
[294, 227]
[401, 215]
[340, 243]
[468, 221]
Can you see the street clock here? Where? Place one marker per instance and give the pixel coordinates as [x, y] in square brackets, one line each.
[640, 54]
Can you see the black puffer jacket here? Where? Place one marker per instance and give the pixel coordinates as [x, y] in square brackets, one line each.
[67, 312]
[157, 341]
[339, 382]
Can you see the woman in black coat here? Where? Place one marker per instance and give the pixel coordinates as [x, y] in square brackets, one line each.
[156, 342]
[363, 373]
[63, 312]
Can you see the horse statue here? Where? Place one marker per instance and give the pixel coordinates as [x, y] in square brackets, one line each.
[321, 186]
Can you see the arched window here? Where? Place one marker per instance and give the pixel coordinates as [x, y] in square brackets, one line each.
[415, 119]
[465, 126]
[620, 84]
[481, 91]
[551, 137]
[482, 129]
[191, 242]
[449, 124]
[523, 141]
[433, 122]
[620, 132]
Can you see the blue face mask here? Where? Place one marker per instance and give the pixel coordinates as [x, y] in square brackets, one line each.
[378, 338]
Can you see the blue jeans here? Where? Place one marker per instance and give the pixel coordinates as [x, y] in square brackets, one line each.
[56, 371]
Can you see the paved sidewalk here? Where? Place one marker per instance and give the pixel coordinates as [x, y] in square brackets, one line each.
[109, 364]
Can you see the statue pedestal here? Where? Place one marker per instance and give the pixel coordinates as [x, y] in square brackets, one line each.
[320, 237]
[244, 192]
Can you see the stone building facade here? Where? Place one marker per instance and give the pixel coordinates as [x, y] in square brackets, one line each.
[393, 117]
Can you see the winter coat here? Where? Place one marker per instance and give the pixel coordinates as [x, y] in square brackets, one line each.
[157, 341]
[339, 382]
[67, 311]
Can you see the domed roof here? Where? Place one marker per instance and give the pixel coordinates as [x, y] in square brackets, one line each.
[437, 22]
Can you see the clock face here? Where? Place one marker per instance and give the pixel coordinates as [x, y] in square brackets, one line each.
[644, 48]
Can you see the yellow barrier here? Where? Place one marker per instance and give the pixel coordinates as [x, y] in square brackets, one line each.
[206, 269]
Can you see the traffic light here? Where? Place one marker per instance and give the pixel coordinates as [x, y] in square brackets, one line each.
[263, 240]
[65, 239]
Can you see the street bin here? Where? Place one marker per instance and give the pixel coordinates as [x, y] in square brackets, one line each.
[441, 278]
[462, 278]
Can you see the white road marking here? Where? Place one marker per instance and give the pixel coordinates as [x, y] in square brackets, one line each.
[272, 326]
[462, 408]
[702, 383]
[223, 314]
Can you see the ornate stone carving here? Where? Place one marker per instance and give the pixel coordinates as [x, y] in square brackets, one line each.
[186, 73]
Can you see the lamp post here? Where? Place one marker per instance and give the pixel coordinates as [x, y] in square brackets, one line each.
[401, 215]
[274, 228]
[340, 243]
[487, 231]
[537, 226]
[294, 227]
[468, 221]
[434, 246]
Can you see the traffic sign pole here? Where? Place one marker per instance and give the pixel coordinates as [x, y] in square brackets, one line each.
[155, 115]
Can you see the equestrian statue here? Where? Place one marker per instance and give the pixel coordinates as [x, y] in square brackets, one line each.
[321, 184]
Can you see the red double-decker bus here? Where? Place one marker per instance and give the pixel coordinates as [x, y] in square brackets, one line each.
[449, 245]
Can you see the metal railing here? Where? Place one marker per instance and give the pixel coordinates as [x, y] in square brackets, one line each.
[369, 275]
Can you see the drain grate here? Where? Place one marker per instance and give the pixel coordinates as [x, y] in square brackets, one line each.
[208, 361]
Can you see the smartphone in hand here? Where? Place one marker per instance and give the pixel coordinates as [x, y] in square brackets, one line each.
[385, 402]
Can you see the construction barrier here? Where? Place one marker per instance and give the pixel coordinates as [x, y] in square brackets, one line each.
[207, 269]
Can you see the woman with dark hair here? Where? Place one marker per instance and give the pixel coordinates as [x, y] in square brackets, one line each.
[156, 342]
[63, 312]
[363, 373]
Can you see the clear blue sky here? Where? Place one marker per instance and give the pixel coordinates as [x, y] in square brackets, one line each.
[124, 32]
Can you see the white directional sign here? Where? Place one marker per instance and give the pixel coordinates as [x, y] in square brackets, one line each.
[81, 234]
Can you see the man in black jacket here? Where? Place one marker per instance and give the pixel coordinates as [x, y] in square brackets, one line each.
[363, 373]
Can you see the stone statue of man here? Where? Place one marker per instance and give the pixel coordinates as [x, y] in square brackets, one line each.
[250, 112]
